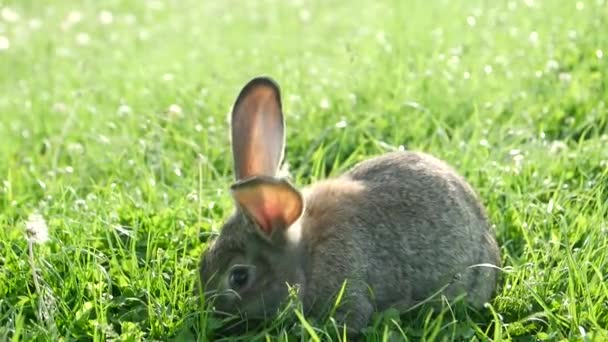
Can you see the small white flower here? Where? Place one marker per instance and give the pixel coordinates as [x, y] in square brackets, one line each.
[83, 38]
[9, 15]
[124, 110]
[381, 37]
[352, 98]
[60, 107]
[558, 147]
[341, 124]
[34, 24]
[143, 35]
[177, 171]
[80, 204]
[106, 17]
[518, 159]
[533, 37]
[192, 196]
[305, 15]
[324, 104]
[552, 65]
[4, 43]
[565, 77]
[74, 17]
[103, 139]
[175, 111]
[36, 228]
[75, 148]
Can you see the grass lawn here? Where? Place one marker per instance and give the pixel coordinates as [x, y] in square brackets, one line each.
[113, 128]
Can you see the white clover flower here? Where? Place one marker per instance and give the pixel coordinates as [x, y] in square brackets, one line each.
[4, 43]
[175, 111]
[9, 15]
[36, 228]
[106, 17]
[324, 104]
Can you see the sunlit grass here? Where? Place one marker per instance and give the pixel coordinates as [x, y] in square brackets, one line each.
[113, 126]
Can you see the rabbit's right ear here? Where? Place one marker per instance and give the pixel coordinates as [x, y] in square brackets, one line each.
[257, 129]
[273, 203]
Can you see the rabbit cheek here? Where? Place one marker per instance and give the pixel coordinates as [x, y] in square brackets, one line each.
[230, 302]
[253, 304]
[263, 303]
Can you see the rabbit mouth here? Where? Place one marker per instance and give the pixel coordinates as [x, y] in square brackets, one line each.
[247, 303]
[223, 302]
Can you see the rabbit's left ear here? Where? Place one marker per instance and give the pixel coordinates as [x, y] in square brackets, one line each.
[257, 129]
[273, 203]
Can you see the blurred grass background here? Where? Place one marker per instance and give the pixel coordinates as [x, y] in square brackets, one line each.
[113, 126]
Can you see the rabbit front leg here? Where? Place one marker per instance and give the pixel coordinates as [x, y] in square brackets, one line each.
[354, 314]
[352, 311]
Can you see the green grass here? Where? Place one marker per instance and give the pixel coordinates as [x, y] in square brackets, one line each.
[512, 93]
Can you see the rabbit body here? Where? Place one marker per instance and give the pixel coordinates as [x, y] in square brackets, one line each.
[398, 228]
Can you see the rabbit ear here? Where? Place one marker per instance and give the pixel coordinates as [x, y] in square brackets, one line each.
[273, 203]
[257, 129]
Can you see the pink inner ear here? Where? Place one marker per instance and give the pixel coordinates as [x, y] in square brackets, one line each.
[274, 205]
[267, 214]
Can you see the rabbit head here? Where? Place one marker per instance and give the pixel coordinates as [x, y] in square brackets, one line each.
[245, 270]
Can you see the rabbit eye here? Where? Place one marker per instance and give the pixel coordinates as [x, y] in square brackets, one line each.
[239, 277]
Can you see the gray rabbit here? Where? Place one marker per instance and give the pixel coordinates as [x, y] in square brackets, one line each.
[397, 228]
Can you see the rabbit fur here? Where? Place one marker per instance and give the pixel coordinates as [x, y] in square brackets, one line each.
[397, 228]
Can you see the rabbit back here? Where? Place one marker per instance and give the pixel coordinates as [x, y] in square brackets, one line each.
[405, 224]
